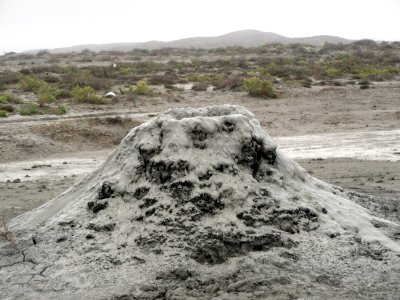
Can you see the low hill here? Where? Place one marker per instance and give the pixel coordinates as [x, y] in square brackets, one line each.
[244, 38]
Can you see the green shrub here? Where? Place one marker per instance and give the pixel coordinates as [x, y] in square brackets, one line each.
[333, 72]
[205, 79]
[142, 88]
[45, 96]
[86, 95]
[29, 109]
[61, 110]
[3, 113]
[32, 84]
[46, 93]
[259, 88]
[379, 74]
[4, 99]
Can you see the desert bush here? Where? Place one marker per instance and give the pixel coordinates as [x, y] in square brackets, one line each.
[32, 84]
[46, 93]
[231, 82]
[307, 83]
[364, 84]
[84, 59]
[333, 72]
[86, 95]
[7, 107]
[365, 43]
[29, 109]
[84, 78]
[63, 93]
[53, 60]
[3, 100]
[142, 88]
[3, 113]
[7, 98]
[278, 69]
[46, 96]
[259, 88]
[7, 235]
[42, 69]
[205, 79]
[9, 77]
[200, 86]
[61, 110]
[148, 67]
[162, 79]
[101, 71]
[51, 78]
[379, 74]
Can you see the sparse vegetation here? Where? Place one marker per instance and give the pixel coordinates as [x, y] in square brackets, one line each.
[254, 69]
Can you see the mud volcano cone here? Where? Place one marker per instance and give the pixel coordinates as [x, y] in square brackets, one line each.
[195, 203]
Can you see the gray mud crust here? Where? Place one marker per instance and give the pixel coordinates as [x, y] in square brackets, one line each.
[201, 204]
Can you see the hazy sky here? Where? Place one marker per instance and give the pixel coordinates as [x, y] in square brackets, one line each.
[33, 24]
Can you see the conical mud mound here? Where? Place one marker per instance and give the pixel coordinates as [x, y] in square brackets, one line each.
[197, 203]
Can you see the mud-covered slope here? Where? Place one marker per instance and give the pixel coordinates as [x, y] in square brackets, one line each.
[200, 203]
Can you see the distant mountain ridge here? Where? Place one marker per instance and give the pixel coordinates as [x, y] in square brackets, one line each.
[244, 38]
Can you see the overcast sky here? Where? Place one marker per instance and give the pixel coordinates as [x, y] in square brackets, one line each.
[46, 24]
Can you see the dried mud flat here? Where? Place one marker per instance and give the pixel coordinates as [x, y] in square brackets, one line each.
[324, 268]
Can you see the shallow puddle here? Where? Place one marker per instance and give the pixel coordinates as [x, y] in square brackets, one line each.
[369, 145]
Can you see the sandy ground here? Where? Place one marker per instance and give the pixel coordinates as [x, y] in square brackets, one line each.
[343, 135]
